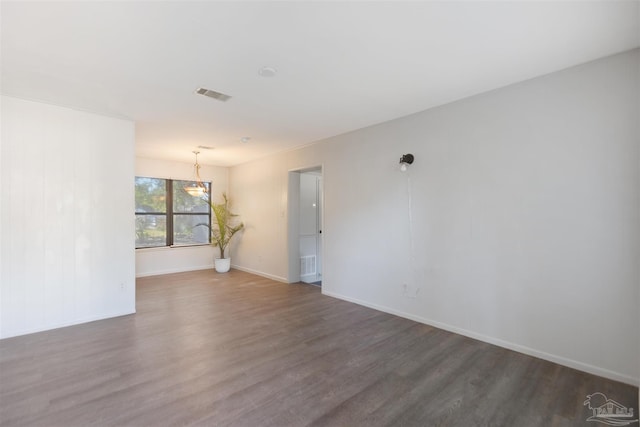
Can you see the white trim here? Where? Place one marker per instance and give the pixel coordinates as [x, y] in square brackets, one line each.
[260, 273]
[168, 248]
[65, 324]
[616, 376]
[69, 107]
[175, 270]
[293, 232]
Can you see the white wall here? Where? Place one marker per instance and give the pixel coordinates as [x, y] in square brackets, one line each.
[165, 260]
[259, 192]
[66, 229]
[518, 223]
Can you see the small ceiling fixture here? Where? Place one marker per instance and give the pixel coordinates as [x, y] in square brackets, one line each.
[196, 187]
[267, 71]
[205, 147]
[213, 94]
[245, 139]
[405, 160]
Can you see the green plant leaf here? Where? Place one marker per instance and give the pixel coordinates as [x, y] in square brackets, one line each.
[222, 227]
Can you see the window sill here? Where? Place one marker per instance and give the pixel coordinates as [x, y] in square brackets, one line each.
[166, 248]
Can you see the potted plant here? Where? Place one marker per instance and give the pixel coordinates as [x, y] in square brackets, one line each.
[222, 230]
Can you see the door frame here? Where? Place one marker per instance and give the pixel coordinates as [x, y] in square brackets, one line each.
[293, 221]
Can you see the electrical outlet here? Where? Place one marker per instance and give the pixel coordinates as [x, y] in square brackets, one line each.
[410, 291]
[122, 286]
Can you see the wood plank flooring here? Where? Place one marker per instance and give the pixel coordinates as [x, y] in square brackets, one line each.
[208, 349]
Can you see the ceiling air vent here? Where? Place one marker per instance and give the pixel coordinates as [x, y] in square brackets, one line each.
[213, 94]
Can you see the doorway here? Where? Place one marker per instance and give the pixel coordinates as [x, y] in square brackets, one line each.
[305, 226]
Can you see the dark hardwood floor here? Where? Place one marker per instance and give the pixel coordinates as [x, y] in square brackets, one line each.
[236, 349]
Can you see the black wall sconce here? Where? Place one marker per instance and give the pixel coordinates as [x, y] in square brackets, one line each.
[405, 160]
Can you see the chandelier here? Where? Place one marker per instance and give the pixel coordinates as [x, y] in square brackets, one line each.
[196, 187]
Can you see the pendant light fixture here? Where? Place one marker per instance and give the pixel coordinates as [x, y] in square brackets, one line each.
[196, 187]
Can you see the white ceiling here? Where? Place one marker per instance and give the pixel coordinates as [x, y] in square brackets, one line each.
[341, 65]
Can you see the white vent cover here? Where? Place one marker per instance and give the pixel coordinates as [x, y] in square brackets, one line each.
[213, 94]
[307, 265]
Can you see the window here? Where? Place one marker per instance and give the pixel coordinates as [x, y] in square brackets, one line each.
[166, 215]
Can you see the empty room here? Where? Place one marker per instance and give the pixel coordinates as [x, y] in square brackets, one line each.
[319, 213]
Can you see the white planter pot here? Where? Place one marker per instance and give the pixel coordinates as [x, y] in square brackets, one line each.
[222, 265]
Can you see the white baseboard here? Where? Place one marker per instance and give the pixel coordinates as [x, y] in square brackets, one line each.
[174, 270]
[208, 267]
[260, 273]
[65, 324]
[616, 376]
